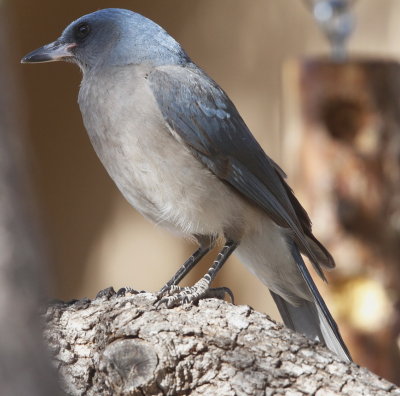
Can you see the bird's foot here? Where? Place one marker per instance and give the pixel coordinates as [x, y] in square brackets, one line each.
[173, 296]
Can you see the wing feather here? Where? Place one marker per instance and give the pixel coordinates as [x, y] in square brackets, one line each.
[200, 112]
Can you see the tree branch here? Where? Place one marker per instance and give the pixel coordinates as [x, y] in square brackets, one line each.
[124, 345]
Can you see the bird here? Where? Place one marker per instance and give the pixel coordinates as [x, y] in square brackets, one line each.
[180, 153]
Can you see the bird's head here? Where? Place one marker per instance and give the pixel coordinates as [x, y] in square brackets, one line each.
[111, 37]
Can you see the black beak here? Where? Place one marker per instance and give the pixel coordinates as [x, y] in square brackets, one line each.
[50, 53]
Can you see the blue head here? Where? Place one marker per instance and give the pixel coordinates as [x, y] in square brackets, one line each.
[112, 37]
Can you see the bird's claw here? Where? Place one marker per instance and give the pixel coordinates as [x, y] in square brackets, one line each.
[173, 296]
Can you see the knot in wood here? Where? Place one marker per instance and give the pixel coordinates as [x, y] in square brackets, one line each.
[129, 363]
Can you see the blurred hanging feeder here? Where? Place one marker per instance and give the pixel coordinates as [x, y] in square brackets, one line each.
[342, 151]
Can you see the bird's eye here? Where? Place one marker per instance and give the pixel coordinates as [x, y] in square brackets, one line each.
[82, 31]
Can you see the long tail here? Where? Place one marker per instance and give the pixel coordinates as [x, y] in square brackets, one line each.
[312, 318]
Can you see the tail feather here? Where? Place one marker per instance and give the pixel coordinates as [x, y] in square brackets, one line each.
[312, 318]
[303, 318]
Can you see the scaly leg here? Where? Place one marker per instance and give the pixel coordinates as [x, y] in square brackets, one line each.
[206, 244]
[176, 295]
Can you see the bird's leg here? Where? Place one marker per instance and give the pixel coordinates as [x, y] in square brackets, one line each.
[185, 269]
[179, 296]
[206, 244]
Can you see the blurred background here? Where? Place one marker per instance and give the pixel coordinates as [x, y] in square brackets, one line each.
[254, 50]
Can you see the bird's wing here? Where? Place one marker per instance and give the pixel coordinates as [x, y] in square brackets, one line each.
[203, 116]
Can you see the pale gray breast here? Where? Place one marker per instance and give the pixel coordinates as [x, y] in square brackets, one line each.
[120, 122]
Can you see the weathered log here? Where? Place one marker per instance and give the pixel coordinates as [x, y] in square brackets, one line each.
[126, 345]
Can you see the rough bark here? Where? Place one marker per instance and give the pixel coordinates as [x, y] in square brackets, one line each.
[125, 345]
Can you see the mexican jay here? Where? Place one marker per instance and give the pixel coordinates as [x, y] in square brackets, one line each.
[180, 153]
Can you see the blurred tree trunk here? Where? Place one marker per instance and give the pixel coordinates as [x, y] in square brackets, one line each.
[24, 363]
[124, 345]
[343, 155]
